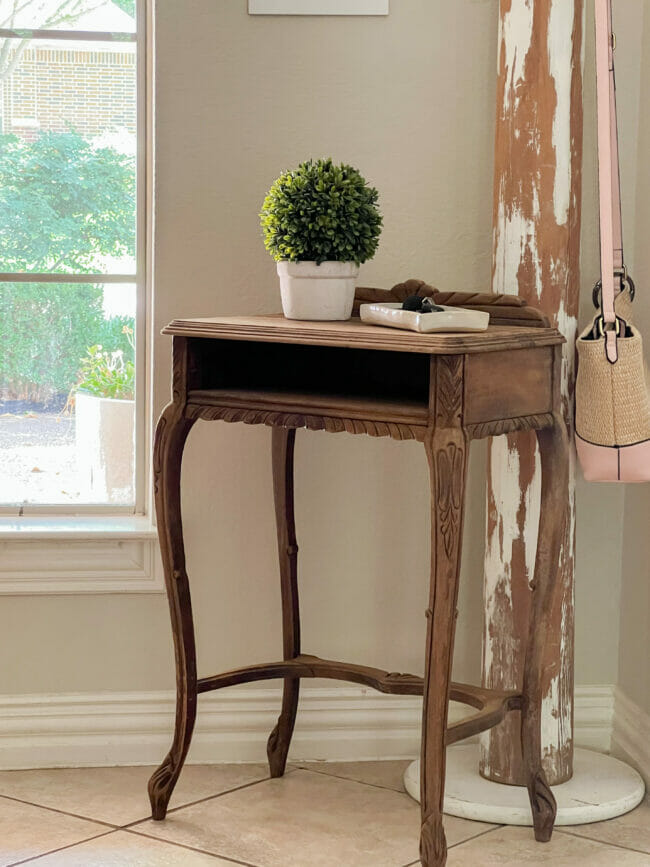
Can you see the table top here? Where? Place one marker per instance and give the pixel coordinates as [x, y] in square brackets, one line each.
[355, 334]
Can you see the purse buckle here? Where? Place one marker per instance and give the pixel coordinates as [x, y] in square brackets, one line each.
[602, 326]
[626, 282]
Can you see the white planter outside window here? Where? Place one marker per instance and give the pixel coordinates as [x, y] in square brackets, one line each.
[104, 432]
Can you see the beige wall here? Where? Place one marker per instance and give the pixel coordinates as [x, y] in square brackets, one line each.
[410, 100]
[634, 673]
[397, 98]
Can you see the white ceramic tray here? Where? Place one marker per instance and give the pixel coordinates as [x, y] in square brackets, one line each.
[447, 319]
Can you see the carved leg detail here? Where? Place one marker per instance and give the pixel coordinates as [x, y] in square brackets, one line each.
[171, 433]
[283, 442]
[554, 450]
[277, 748]
[433, 844]
[447, 454]
[542, 805]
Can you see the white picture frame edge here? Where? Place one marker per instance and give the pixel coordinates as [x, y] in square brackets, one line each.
[318, 7]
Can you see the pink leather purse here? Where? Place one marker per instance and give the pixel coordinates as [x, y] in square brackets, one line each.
[612, 387]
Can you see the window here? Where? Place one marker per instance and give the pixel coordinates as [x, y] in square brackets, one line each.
[72, 256]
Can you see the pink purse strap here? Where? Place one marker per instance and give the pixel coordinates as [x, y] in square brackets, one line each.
[611, 232]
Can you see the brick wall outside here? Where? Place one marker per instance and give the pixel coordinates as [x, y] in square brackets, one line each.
[54, 90]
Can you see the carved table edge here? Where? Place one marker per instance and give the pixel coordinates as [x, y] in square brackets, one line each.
[331, 424]
[273, 418]
[496, 427]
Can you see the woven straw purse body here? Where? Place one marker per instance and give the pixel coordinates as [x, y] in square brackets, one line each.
[613, 384]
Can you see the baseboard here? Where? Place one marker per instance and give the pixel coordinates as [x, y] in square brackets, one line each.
[631, 734]
[594, 717]
[135, 728]
[334, 724]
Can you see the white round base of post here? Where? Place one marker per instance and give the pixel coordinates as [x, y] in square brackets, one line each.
[601, 788]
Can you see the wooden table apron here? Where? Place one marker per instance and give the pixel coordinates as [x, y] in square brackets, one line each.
[443, 391]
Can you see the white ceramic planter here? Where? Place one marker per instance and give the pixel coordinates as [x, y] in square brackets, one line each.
[104, 433]
[311, 291]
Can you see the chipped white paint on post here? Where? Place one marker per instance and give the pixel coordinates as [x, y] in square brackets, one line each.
[515, 34]
[537, 193]
[514, 234]
[500, 642]
[532, 507]
[559, 48]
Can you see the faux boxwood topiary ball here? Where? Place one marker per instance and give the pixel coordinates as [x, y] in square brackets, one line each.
[321, 213]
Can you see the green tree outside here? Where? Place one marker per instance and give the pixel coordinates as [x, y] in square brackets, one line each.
[63, 205]
[127, 6]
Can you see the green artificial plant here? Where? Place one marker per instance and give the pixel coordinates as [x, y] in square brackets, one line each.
[321, 212]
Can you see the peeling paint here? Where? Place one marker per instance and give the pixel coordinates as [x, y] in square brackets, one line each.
[532, 504]
[536, 237]
[550, 730]
[516, 32]
[500, 540]
[515, 241]
[560, 27]
[567, 323]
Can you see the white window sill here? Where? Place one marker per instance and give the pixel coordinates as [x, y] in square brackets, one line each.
[94, 554]
[76, 527]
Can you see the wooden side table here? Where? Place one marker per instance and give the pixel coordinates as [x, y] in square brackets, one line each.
[441, 390]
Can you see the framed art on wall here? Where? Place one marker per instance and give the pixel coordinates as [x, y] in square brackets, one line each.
[318, 7]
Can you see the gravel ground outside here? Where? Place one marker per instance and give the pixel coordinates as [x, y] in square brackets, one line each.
[37, 458]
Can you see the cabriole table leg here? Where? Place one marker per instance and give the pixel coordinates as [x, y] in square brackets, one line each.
[554, 451]
[171, 433]
[283, 442]
[447, 455]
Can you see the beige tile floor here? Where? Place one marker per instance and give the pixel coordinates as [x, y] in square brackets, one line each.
[319, 815]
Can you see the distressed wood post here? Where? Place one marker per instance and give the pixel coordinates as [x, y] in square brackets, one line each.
[537, 203]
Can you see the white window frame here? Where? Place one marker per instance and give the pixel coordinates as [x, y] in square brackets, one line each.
[99, 548]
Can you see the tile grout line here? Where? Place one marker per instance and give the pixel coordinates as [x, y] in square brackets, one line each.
[461, 843]
[194, 803]
[108, 825]
[353, 780]
[207, 798]
[602, 842]
[188, 848]
[62, 848]
[111, 827]
[474, 837]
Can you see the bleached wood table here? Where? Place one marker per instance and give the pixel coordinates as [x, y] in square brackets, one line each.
[441, 390]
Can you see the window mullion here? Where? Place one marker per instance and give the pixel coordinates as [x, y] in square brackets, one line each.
[76, 35]
[77, 277]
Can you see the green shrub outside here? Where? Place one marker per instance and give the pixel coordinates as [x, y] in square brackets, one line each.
[113, 337]
[45, 332]
[64, 204]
